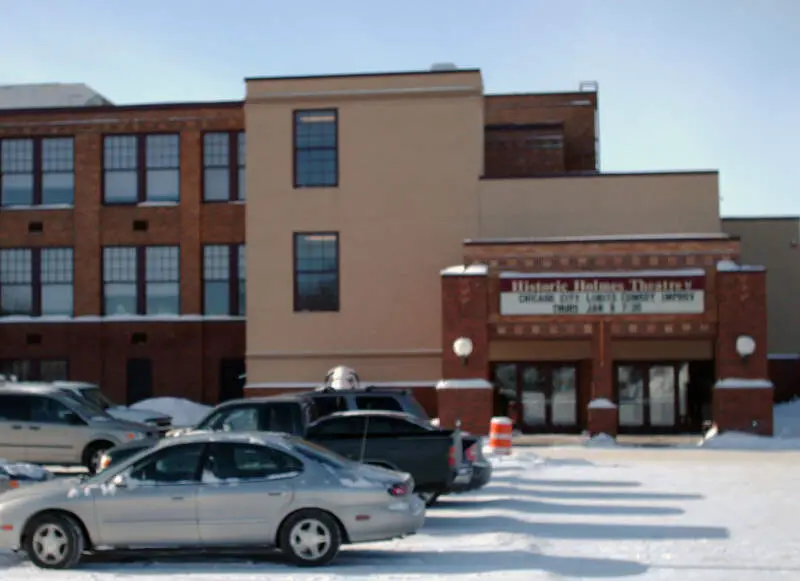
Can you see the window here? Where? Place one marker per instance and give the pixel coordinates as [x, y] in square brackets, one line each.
[235, 419]
[36, 281]
[316, 156]
[329, 404]
[36, 369]
[35, 172]
[143, 280]
[224, 166]
[247, 462]
[283, 417]
[46, 410]
[173, 465]
[337, 427]
[224, 279]
[378, 402]
[15, 408]
[141, 168]
[316, 272]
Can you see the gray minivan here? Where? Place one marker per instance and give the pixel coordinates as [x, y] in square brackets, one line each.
[41, 424]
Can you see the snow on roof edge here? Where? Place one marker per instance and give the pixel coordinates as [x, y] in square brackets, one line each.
[463, 270]
[739, 383]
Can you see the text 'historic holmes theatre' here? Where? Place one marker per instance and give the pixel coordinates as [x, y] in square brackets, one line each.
[646, 293]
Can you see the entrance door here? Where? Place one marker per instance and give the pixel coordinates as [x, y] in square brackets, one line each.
[139, 382]
[231, 379]
[545, 395]
[653, 397]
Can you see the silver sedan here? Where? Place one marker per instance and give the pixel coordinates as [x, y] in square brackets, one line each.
[217, 490]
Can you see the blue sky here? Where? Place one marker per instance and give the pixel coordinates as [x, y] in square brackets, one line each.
[684, 84]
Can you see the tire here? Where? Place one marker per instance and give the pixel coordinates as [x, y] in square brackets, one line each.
[92, 453]
[430, 498]
[322, 541]
[54, 541]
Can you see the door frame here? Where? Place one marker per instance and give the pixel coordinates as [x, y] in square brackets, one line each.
[682, 424]
[547, 366]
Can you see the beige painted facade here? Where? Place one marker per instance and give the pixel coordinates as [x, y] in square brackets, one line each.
[411, 151]
[775, 243]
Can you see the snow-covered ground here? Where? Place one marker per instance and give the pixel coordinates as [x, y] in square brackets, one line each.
[556, 513]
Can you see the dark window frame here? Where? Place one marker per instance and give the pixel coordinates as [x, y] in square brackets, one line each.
[37, 284]
[233, 165]
[235, 280]
[338, 271]
[140, 169]
[295, 148]
[35, 366]
[140, 283]
[37, 170]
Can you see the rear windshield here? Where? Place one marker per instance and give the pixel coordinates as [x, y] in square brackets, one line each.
[317, 453]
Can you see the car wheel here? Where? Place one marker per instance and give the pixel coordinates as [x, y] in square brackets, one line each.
[310, 538]
[93, 453]
[430, 498]
[54, 541]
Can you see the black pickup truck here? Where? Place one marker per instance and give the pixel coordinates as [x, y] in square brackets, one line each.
[394, 440]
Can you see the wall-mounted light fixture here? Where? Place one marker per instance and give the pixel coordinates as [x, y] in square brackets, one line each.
[745, 346]
[462, 347]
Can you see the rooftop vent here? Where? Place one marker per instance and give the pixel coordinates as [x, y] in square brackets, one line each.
[444, 67]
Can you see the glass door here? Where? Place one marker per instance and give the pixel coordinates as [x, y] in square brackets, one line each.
[652, 397]
[535, 396]
[630, 389]
[564, 401]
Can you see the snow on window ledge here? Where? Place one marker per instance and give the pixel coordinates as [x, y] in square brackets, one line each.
[737, 383]
[462, 270]
[464, 384]
[731, 266]
[28, 207]
[116, 318]
[602, 403]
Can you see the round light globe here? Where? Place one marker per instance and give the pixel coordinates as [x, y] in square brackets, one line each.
[462, 347]
[745, 345]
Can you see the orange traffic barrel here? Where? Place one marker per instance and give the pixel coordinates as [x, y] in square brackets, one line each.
[500, 435]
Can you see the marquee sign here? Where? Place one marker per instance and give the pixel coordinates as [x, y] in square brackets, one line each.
[586, 293]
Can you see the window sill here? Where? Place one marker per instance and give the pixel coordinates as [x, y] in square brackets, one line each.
[225, 202]
[31, 319]
[24, 208]
[145, 204]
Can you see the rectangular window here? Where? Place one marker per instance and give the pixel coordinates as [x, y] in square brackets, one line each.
[142, 280]
[224, 280]
[36, 281]
[316, 144]
[316, 271]
[36, 369]
[37, 171]
[223, 166]
[141, 168]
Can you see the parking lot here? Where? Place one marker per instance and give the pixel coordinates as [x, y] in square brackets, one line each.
[556, 513]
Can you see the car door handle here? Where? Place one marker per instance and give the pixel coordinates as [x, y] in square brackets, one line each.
[177, 498]
[276, 493]
[34, 428]
[16, 427]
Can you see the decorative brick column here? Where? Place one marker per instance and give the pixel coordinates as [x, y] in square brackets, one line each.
[743, 394]
[603, 415]
[468, 400]
[465, 313]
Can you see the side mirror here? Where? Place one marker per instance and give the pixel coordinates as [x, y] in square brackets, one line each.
[120, 481]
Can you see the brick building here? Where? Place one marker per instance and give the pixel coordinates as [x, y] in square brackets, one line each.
[124, 258]
[121, 247]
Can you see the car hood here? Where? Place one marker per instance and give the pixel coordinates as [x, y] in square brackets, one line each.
[130, 414]
[57, 487]
[119, 425]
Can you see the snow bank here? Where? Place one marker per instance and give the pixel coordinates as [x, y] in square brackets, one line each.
[786, 420]
[183, 411]
[601, 441]
[22, 471]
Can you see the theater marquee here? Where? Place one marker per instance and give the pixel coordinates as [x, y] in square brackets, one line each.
[585, 293]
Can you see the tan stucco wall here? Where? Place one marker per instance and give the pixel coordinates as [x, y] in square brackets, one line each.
[600, 205]
[768, 242]
[411, 155]
[407, 197]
